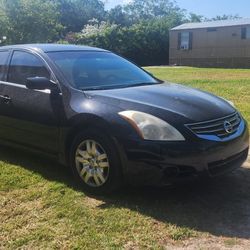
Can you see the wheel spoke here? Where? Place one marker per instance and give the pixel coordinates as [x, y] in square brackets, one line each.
[103, 165]
[99, 174]
[93, 148]
[86, 178]
[88, 146]
[102, 157]
[81, 152]
[81, 160]
[96, 180]
[84, 154]
[83, 171]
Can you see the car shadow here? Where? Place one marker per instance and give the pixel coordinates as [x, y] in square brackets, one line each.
[219, 206]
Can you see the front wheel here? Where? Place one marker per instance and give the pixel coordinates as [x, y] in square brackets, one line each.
[95, 162]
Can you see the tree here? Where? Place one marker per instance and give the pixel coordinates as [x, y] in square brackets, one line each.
[3, 24]
[145, 42]
[224, 17]
[194, 18]
[139, 30]
[31, 21]
[74, 14]
[147, 9]
[119, 16]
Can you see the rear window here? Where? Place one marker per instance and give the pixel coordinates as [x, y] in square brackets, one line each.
[3, 60]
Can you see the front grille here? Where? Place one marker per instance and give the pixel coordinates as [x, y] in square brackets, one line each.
[222, 127]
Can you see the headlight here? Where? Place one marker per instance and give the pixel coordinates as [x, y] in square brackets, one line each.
[150, 127]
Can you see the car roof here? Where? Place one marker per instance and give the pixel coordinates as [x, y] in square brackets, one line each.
[50, 47]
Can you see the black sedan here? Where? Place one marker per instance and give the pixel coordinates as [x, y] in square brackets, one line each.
[111, 121]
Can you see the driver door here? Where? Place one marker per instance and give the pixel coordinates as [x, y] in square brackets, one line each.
[29, 117]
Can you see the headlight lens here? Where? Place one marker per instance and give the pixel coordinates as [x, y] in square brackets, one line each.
[150, 127]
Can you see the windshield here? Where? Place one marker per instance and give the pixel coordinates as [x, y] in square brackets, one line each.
[88, 70]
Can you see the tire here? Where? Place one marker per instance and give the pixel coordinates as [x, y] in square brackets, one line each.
[95, 163]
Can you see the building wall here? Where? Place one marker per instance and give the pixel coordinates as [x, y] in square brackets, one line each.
[221, 48]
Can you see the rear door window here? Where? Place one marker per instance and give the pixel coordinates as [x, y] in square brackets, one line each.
[3, 60]
[23, 65]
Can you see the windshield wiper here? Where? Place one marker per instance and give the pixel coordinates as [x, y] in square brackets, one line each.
[96, 88]
[141, 84]
[118, 86]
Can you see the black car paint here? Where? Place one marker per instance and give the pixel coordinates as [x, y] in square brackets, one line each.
[48, 122]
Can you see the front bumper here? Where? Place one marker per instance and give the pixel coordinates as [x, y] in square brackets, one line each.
[161, 163]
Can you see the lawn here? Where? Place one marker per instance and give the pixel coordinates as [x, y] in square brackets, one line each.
[41, 208]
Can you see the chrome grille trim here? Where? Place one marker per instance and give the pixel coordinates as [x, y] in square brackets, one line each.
[216, 127]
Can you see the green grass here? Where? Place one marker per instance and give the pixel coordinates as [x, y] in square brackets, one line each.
[41, 208]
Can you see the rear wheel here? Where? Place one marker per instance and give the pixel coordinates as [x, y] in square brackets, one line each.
[95, 162]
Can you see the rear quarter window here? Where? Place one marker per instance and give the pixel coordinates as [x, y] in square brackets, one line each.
[3, 60]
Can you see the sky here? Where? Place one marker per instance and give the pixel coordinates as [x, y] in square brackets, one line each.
[207, 8]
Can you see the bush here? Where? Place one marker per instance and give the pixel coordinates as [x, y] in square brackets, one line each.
[145, 43]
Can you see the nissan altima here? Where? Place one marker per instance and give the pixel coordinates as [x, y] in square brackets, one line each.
[111, 121]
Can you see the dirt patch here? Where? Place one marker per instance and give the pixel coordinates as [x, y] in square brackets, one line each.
[210, 242]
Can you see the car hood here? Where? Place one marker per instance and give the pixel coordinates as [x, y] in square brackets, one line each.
[193, 104]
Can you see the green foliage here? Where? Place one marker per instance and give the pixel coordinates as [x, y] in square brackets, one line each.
[147, 9]
[74, 14]
[119, 16]
[3, 22]
[26, 21]
[138, 30]
[30, 21]
[223, 17]
[145, 42]
[194, 18]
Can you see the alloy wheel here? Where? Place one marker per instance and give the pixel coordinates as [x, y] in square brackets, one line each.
[92, 163]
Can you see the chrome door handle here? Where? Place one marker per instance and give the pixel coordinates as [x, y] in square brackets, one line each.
[6, 99]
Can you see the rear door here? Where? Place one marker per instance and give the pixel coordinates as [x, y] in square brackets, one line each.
[30, 117]
[4, 56]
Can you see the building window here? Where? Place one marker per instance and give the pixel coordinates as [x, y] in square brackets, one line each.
[185, 40]
[245, 33]
[248, 33]
[211, 29]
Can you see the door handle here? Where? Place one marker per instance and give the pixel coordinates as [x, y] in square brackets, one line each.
[6, 99]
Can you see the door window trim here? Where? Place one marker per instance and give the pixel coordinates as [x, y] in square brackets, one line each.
[36, 54]
[6, 68]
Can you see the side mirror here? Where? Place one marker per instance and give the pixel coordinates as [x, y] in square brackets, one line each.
[40, 83]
